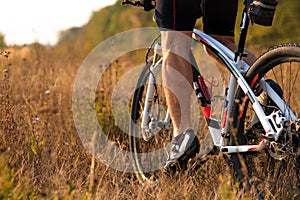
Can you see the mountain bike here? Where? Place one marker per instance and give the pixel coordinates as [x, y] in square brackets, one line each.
[259, 123]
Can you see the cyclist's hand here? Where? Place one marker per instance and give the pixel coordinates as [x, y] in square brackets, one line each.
[147, 4]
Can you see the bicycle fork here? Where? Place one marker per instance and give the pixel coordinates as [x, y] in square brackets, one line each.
[150, 124]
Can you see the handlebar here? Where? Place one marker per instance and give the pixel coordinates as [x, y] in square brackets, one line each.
[146, 4]
[135, 3]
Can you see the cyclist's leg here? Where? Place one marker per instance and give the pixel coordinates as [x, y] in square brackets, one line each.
[177, 75]
[176, 30]
[219, 22]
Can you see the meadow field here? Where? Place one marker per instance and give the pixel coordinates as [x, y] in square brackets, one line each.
[41, 154]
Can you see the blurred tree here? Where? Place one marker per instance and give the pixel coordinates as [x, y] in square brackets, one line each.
[2, 43]
[105, 23]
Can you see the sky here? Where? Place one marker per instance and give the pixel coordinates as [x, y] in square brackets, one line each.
[27, 21]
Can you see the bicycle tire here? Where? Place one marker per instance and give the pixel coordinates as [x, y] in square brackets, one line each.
[278, 174]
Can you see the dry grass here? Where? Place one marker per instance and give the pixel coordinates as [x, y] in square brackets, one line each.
[41, 156]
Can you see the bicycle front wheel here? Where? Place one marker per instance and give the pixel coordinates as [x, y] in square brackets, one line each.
[150, 127]
[273, 170]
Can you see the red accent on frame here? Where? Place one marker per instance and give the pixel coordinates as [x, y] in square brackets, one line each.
[254, 81]
[243, 106]
[202, 39]
[224, 118]
[258, 147]
[206, 111]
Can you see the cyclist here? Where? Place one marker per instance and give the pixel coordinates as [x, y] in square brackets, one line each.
[174, 18]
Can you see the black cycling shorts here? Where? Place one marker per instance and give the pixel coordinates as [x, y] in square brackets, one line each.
[218, 16]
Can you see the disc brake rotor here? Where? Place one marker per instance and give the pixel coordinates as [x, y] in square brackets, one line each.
[287, 143]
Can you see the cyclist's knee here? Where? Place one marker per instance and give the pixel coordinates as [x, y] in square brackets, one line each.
[176, 42]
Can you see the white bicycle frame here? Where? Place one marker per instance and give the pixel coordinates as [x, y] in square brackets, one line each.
[272, 124]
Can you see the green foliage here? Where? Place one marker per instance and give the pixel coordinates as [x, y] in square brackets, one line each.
[285, 28]
[5, 180]
[116, 18]
[8, 189]
[2, 43]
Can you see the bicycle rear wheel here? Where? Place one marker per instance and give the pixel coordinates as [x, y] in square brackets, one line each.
[273, 170]
[149, 142]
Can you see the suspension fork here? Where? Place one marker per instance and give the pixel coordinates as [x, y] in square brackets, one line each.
[149, 123]
[154, 70]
